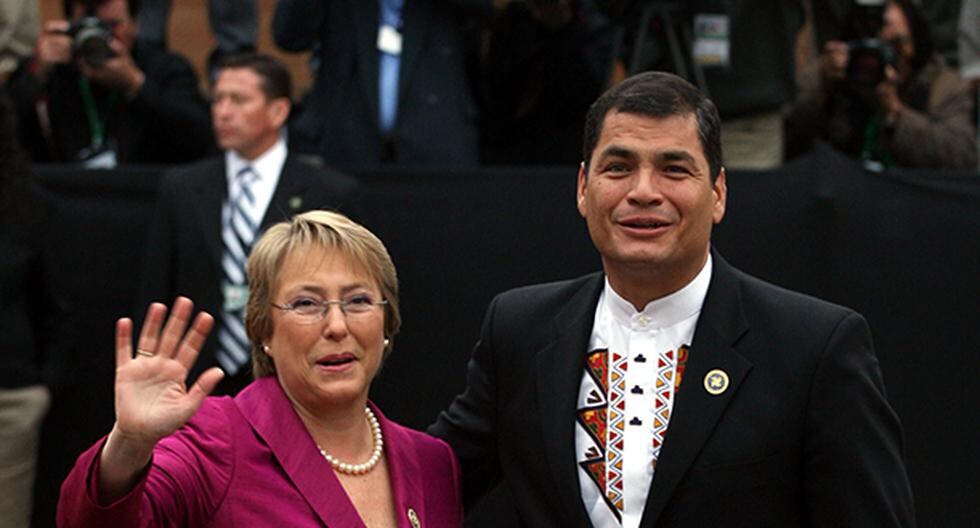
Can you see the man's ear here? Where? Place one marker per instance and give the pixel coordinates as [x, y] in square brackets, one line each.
[279, 111]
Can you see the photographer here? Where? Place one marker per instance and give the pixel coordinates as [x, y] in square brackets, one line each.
[90, 95]
[883, 95]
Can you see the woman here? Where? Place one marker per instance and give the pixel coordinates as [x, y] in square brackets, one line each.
[301, 445]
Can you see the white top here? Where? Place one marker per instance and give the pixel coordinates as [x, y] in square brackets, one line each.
[637, 343]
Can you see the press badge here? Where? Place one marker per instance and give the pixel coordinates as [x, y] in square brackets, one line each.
[712, 46]
[389, 40]
[101, 157]
[236, 295]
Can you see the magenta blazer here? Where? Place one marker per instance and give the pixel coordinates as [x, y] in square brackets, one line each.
[249, 461]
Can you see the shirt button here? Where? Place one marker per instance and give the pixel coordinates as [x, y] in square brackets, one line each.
[643, 320]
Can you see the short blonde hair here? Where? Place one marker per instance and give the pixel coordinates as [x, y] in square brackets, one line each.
[327, 230]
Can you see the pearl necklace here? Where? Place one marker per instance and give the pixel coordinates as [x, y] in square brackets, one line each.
[360, 469]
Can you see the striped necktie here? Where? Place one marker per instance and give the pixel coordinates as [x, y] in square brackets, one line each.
[240, 224]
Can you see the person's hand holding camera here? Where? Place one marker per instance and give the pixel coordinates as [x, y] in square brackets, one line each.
[889, 103]
[118, 71]
[54, 46]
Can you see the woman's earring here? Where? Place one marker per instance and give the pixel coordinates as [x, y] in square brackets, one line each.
[265, 348]
[387, 342]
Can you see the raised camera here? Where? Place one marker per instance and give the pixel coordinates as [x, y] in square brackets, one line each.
[91, 38]
[867, 60]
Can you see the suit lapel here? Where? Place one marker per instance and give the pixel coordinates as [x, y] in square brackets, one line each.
[366, 16]
[209, 195]
[270, 414]
[696, 412]
[559, 368]
[288, 197]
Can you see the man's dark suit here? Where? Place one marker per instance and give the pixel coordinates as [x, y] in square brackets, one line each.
[436, 122]
[803, 436]
[184, 248]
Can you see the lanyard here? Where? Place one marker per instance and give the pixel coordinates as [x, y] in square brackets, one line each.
[96, 124]
[870, 150]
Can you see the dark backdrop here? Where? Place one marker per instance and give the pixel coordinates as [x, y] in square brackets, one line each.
[902, 247]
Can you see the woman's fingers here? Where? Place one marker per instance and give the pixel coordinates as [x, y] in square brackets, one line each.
[206, 383]
[124, 341]
[150, 333]
[173, 331]
[194, 339]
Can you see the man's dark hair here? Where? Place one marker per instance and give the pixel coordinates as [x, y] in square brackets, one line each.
[657, 94]
[89, 6]
[275, 81]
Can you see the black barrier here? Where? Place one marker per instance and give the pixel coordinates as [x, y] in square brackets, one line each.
[902, 247]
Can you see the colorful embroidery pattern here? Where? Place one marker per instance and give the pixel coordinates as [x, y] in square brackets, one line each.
[670, 370]
[593, 417]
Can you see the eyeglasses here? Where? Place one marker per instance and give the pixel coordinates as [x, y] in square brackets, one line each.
[310, 311]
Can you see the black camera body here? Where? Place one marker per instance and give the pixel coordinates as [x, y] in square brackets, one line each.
[90, 40]
[867, 60]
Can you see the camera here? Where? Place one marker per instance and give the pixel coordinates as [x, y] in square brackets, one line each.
[867, 60]
[90, 40]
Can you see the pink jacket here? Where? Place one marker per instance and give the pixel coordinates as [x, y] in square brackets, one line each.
[249, 461]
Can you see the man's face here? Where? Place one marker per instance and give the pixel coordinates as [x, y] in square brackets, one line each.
[648, 200]
[115, 13]
[244, 119]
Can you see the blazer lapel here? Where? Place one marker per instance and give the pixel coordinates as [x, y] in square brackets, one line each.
[209, 196]
[366, 18]
[696, 412]
[287, 200]
[273, 418]
[559, 368]
[403, 466]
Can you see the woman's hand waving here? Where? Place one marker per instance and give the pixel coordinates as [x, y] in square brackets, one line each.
[151, 398]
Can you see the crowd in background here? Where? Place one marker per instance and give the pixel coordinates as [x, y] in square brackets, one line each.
[458, 84]
[506, 82]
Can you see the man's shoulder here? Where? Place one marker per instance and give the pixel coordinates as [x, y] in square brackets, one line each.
[312, 169]
[209, 167]
[548, 294]
[759, 296]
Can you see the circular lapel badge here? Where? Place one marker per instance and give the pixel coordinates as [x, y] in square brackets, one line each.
[716, 382]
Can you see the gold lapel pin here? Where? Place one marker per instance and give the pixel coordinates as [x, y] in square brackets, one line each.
[414, 518]
[716, 382]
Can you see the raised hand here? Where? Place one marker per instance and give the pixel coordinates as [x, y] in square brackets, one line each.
[152, 400]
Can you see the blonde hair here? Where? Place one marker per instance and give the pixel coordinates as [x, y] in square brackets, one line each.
[323, 229]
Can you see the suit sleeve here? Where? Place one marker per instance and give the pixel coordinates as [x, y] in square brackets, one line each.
[469, 424]
[854, 468]
[296, 23]
[183, 486]
[173, 110]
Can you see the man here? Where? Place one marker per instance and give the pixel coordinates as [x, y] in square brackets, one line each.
[208, 214]
[673, 389]
[110, 101]
[390, 82]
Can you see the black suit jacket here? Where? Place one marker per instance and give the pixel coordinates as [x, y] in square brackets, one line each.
[803, 436]
[436, 118]
[183, 247]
